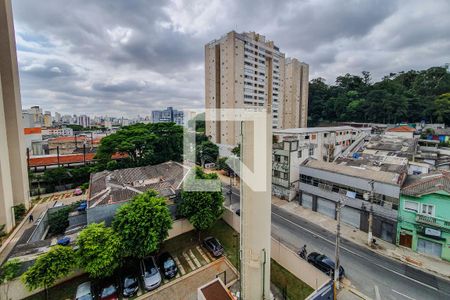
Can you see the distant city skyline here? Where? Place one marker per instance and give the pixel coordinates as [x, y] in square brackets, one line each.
[117, 58]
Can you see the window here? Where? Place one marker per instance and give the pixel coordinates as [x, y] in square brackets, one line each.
[427, 209]
[311, 151]
[411, 206]
[300, 154]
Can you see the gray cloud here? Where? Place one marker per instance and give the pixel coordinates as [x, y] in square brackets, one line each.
[129, 57]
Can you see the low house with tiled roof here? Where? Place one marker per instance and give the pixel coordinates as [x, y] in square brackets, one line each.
[424, 214]
[402, 131]
[108, 190]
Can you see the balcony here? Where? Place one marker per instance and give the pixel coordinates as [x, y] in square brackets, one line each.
[436, 222]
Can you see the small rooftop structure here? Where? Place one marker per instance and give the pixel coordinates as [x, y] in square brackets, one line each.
[390, 145]
[417, 185]
[312, 129]
[108, 187]
[403, 128]
[214, 290]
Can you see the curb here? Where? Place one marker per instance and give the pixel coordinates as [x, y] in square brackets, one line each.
[358, 293]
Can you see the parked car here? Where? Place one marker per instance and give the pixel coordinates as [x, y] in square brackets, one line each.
[130, 285]
[324, 264]
[108, 291]
[78, 192]
[167, 265]
[84, 291]
[82, 206]
[64, 241]
[150, 273]
[213, 246]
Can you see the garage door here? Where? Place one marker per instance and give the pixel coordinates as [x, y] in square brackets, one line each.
[429, 247]
[307, 201]
[326, 207]
[350, 216]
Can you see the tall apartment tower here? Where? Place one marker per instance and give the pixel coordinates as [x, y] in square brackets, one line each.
[296, 84]
[13, 168]
[241, 71]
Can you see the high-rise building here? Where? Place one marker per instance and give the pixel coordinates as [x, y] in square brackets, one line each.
[244, 70]
[84, 121]
[13, 168]
[57, 118]
[47, 119]
[168, 115]
[296, 83]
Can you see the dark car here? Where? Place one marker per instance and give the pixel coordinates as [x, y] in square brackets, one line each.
[82, 206]
[130, 285]
[238, 212]
[108, 291]
[64, 241]
[167, 265]
[324, 264]
[150, 273]
[213, 246]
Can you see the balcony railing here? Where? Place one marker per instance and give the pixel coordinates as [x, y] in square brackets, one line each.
[438, 222]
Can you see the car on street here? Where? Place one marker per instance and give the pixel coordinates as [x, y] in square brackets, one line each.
[78, 192]
[108, 291]
[82, 206]
[150, 273]
[84, 291]
[213, 246]
[167, 265]
[324, 264]
[64, 241]
[130, 285]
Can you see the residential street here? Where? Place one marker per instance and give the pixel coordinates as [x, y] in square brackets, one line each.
[374, 275]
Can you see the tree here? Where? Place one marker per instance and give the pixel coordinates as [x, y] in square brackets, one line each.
[237, 150]
[99, 250]
[8, 272]
[207, 152]
[49, 267]
[442, 105]
[201, 208]
[143, 223]
[58, 221]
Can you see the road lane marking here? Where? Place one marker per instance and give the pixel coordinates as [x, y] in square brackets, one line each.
[203, 254]
[401, 294]
[180, 266]
[188, 260]
[377, 293]
[361, 256]
[194, 259]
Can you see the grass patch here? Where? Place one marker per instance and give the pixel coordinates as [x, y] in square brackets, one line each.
[287, 282]
[228, 238]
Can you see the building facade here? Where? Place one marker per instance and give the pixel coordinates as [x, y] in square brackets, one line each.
[14, 188]
[244, 70]
[296, 86]
[84, 121]
[168, 115]
[424, 214]
[324, 184]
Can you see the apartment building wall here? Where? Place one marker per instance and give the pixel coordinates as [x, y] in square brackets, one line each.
[12, 158]
[242, 71]
[295, 110]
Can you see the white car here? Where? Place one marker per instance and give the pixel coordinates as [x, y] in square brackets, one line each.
[84, 291]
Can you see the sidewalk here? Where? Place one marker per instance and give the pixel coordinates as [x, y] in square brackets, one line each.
[407, 256]
[21, 228]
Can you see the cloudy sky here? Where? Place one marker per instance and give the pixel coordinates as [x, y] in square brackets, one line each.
[127, 57]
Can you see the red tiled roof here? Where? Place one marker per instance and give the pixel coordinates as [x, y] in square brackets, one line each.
[65, 159]
[402, 129]
[68, 139]
[33, 130]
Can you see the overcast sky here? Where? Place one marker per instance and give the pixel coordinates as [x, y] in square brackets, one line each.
[127, 57]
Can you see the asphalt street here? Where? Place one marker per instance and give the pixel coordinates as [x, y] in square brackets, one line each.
[374, 275]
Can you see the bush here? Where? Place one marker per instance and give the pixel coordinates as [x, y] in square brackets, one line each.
[19, 211]
[58, 221]
[84, 186]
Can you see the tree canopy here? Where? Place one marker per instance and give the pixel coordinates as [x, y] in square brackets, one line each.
[201, 208]
[49, 267]
[99, 250]
[207, 152]
[144, 144]
[143, 223]
[410, 96]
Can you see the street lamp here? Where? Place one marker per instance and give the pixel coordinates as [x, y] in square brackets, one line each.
[368, 197]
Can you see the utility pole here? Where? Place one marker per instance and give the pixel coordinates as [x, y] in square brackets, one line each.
[231, 188]
[369, 235]
[337, 265]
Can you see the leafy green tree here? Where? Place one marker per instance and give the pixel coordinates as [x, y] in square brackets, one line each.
[49, 267]
[144, 144]
[442, 105]
[202, 208]
[99, 250]
[58, 221]
[207, 152]
[8, 272]
[237, 150]
[143, 223]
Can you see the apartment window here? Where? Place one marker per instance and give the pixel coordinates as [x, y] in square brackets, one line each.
[299, 154]
[248, 97]
[427, 209]
[306, 137]
[311, 151]
[411, 206]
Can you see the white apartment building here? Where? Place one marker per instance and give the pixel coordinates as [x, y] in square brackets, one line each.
[293, 146]
[64, 131]
[84, 121]
[244, 70]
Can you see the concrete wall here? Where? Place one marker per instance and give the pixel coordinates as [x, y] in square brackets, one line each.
[103, 213]
[179, 227]
[287, 258]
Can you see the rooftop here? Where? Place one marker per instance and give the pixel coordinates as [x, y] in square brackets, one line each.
[51, 160]
[418, 185]
[403, 128]
[346, 168]
[312, 129]
[109, 187]
[215, 290]
[391, 145]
